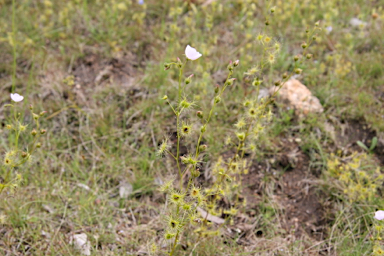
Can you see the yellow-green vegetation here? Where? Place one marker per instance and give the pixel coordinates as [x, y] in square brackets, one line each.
[196, 159]
[16, 160]
[357, 176]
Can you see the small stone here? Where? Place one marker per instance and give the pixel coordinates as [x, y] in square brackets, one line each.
[295, 94]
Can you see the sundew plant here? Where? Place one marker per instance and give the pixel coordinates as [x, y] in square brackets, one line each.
[18, 156]
[191, 203]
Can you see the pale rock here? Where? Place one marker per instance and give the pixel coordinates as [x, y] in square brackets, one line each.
[81, 243]
[125, 190]
[296, 95]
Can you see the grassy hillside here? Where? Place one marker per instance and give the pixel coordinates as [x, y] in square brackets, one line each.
[305, 185]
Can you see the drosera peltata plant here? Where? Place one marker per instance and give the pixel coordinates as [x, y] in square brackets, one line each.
[17, 156]
[189, 204]
[185, 199]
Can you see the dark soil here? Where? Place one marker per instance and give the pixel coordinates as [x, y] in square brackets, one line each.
[352, 131]
[293, 191]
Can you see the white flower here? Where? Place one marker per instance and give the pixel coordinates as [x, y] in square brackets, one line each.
[16, 97]
[191, 53]
[379, 215]
[355, 22]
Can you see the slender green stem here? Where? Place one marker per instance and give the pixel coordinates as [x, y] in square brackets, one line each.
[169, 152]
[209, 116]
[178, 126]
[174, 111]
[174, 244]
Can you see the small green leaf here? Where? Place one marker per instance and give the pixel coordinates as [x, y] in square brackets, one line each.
[361, 144]
[373, 144]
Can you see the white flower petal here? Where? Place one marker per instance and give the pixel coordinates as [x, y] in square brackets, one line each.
[379, 215]
[191, 53]
[355, 22]
[16, 97]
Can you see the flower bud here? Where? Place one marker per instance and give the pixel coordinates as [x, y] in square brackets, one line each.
[229, 82]
[24, 154]
[314, 38]
[195, 173]
[43, 131]
[375, 15]
[273, 9]
[285, 76]
[298, 71]
[167, 66]
[217, 99]
[304, 45]
[199, 114]
[317, 23]
[33, 132]
[43, 113]
[230, 66]
[165, 97]
[236, 63]
[188, 79]
[202, 148]
[30, 107]
[257, 82]
[309, 56]
[9, 126]
[179, 63]
[203, 129]
[217, 87]
[277, 83]
[36, 117]
[267, 23]
[296, 58]
[38, 145]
